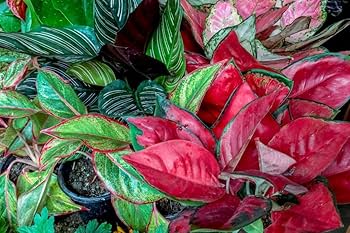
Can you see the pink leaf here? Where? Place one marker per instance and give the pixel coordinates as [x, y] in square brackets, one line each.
[304, 108]
[18, 8]
[257, 7]
[272, 161]
[240, 130]
[313, 143]
[195, 61]
[319, 78]
[268, 19]
[341, 163]
[180, 169]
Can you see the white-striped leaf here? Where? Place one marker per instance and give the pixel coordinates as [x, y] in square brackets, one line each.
[166, 44]
[92, 72]
[105, 26]
[57, 97]
[121, 10]
[118, 99]
[69, 44]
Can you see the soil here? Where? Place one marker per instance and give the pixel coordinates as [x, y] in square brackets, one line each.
[169, 208]
[16, 171]
[68, 224]
[83, 179]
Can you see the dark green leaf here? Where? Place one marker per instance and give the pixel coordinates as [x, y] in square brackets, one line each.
[121, 9]
[71, 44]
[8, 22]
[105, 26]
[94, 227]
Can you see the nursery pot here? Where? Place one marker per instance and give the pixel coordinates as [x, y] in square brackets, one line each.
[99, 207]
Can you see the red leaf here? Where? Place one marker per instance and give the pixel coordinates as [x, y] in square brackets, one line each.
[264, 82]
[180, 169]
[341, 163]
[231, 213]
[268, 19]
[282, 115]
[313, 143]
[266, 129]
[257, 7]
[182, 223]
[319, 78]
[196, 19]
[240, 98]
[190, 44]
[340, 186]
[155, 130]
[272, 161]
[304, 108]
[239, 132]
[140, 26]
[189, 121]
[226, 81]
[18, 8]
[195, 61]
[230, 48]
[315, 213]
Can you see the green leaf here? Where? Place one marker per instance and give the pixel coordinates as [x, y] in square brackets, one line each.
[8, 56]
[158, 223]
[255, 227]
[42, 224]
[56, 200]
[69, 44]
[57, 97]
[15, 73]
[8, 201]
[96, 131]
[15, 105]
[135, 216]
[92, 72]
[58, 14]
[191, 90]
[118, 99]
[121, 10]
[56, 149]
[166, 44]
[49, 122]
[31, 201]
[24, 126]
[122, 180]
[8, 22]
[105, 26]
[94, 227]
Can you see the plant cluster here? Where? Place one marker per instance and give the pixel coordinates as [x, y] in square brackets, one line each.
[227, 110]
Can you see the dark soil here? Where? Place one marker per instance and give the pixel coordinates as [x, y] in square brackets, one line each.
[68, 224]
[169, 208]
[83, 179]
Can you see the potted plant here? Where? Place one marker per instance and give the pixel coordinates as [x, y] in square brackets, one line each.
[226, 113]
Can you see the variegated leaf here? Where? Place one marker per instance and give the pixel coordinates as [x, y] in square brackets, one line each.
[70, 44]
[167, 46]
[105, 25]
[8, 202]
[121, 9]
[92, 72]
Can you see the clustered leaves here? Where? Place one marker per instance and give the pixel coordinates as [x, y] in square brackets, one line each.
[225, 110]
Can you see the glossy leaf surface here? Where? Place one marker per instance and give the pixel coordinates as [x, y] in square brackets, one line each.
[8, 202]
[305, 108]
[15, 105]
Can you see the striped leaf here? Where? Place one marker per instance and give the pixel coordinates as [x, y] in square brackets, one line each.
[69, 44]
[15, 105]
[8, 202]
[57, 97]
[191, 89]
[105, 25]
[121, 9]
[166, 44]
[118, 99]
[92, 72]
[146, 96]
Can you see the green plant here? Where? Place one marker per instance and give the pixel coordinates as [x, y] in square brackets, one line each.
[94, 227]
[42, 224]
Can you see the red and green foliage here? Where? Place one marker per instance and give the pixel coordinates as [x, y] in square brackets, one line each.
[227, 112]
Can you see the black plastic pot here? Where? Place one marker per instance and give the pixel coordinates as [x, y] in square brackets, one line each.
[98, 207]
